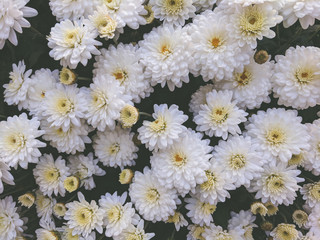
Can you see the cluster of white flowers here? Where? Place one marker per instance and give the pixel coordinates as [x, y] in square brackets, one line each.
[263, 152]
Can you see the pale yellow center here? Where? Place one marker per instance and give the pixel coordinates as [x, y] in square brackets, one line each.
[237, 161]
[219, 114]
[114, 214]
[197, 233]
[83, 216]
[210, 183]
[286, 232]
[179, 159]
[207, 208]
[159, 125]
[129, 116]
[64, 106]
[51, 175]
[114, 149]
[16, 141]
[99, 100]
[173, 7]
[71, 183]
[152, 195]
[126, 176]
[304, 76]
[175, 218]
[243, 78]
[314, 191]
[120, 75]
[296, 159]
[276, 136]
[71, 37]
[252, 21]
[68, 235]
[275, 183]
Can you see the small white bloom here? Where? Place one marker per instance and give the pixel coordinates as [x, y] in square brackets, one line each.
[199, 98]
[44, 207]
[214, 232]
[244, 220]
[135, 232]
[311, 193]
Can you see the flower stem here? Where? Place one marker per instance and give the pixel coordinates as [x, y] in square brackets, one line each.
[83, 79]
[145, 114]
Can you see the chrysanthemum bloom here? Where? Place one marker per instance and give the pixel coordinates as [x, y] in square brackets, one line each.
[252, 86]
[67, 76]
[18, 141]
[27, 199]
[5, 176]
[300, 218]
[115, 148]
[44, 207]
[239, 158]
[277, 183]
[215, 188]
[126, 175]
[15, 92]
[195, 232]
[59, 210]
[311, 193]
[162, 47]
[215, 52]
[314, 221]
[244, 220]
[258, 208]
[220, 115]
[12, 19]
[11, 224]
[153, 201]
[285, 232]
[129, 116]
[83, 217]
[214, 232]
[183, 164]
[64, 106]
[165, 130]
[306, 11]
[71, 183]
[279, 133]
[272, 209]
[174, 12]
[198, 98]
[122, 64]
[199, 212]
[135, 232]
[178, 219]
[73, 42]
[118, 214]
[69, 9]
[84, 167]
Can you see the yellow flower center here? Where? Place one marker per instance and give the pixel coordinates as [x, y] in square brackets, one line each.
[237, 161]
[99, 100]
[42, 202]
[64, 106]
[296, 159]
[276, 136]
[126, 176]
[219, 114]
[71, 183]
[134, 236]
[159, 125]
[286, 232]
[252, 21]
[314, 191]
[83, 216]
[243, 78]
[179, 159]
[174, 218]
[112, 4]
[16, 141]
[129, 116]
[51, 175]
[71, 37]
[210, 183]
[67, 76]
[114, 214]
[197, 233]
[258, 208]
[173, 6]
[304, 76]
[120, 75]
[223, 236]
[68, 235]
[275, 183]
[207, 208]
[59, 209]
[114, 149]
[152, 195]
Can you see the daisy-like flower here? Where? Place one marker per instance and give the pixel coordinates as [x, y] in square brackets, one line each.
[50, 174]
[44, 207]
[199, 212]
[258, 208]
[239, 158]
[311, 193]
[67, 76]
[216, 53]
[115, 148]
[285, 231]
[279, 133]
[314, 221]
[18, 141]
[252, 23]
[220, 115]
[173, 11]
[296, 77]
[300, 218]
[105, 99]
[69, 9]
[15, 92]
[215, 188]
[182, 165]
[122, 64]
[84, 167]
[11, 224]
[153, 201]
[118, 214]
[73, 42]
[252, 86]
[5, 176]
[165, 130]
[199, 98]
[83, 217]
[12, 19]
[277, 183]
[178, 219]
[135, 232]
[272, 209]
[64, 106]
[214, 232]
[244, 220]
[159, 49]
[306, 11]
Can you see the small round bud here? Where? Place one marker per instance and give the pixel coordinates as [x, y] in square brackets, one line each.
[266, 226]
[259, 208]
[285, 232]
[135, 140]
[126, 176]
[261, 57]
[59, 209]
[129, 116]
[27, 199]
[272, 209]
[150, 15]
[71, 183]
[67, 76]
[300, 217]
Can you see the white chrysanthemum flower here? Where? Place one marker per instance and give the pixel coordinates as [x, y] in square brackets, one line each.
[240, 159]
[122, 63]
[84, 167]
[277, 183]
[178, 219]
[314, 221]
[50, 174]
[71, 141]
[202, 5]
[15, 92]
[64, 106]
[162, 47]
[215, 188]
[311, 193]
[73, 42]
[5, 176]
[12, 19]
[279, 133]
[70, 9]
[118, 214]
[165, 130]
[195, 232]
[135, 232]
[174, 12]
[198, 98]
[296, 77]
[220, 115]
[244, 220]
[105, 99]
[306, 11]
[47, 231]
[40, 82]
[115, 148]
[285, 231]
[182, 165]
[44, 207]
[216, 53]
[214, 232]
[153, 201]
[126, 12]
[252, 23]
[252, 86]
[18, 141]
[312, 156]
[84, 217]
[199, 212]
[11, 224]
[66, 234]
